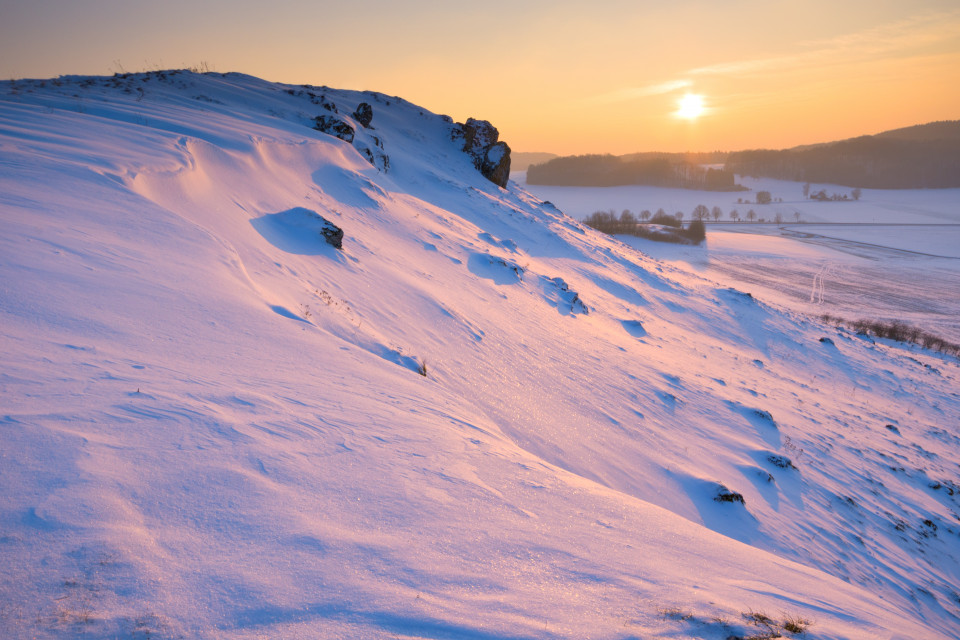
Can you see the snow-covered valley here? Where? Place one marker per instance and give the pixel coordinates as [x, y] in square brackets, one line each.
[894, 255]
[214, 424]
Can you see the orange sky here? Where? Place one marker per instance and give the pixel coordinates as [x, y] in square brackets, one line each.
[560, 76]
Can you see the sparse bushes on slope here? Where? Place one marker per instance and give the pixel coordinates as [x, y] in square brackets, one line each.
[898, 331]
[755, 625]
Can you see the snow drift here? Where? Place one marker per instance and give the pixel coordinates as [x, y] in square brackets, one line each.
[216, 424]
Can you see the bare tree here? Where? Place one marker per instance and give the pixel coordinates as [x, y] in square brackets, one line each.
[717, 213]
[679, 216]
[645, 215]
[856, 193]
[778, 217]
[751, 215]
[734, 215]
[701, 213]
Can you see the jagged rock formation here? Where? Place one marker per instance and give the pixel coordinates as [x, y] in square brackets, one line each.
[363, 115]
[490, 157]
[478, 135]
[496, 163]
[373, 153]
[325, 103]
[368, 144]
[334, 127]
[332, 234]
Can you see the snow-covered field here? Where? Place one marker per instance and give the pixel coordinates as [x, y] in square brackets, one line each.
[904, 206]
[213, 424]
[892, 255]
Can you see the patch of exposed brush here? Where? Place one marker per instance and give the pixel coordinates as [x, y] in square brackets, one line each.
[899, 332]
[768, 627]
[754, 625]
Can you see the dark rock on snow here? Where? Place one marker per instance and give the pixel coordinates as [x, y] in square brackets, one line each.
[490, 157]
[332, 234]
[374, 154]
[496, 164]
[334, 127]
[324, 102]
[478, 135]
[363, 115]
[781, 461]
[726, 495]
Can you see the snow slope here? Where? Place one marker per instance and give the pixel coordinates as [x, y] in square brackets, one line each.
[212, 423]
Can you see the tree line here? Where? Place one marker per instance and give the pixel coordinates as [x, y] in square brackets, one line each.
[627, 224]
[873, 162]
[660, 170]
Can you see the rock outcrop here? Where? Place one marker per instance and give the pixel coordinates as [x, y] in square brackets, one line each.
[373, 152]
[490, 157]
[496, 164]
[335, 127]
[363, 115]
[367, 143]
[331, 233]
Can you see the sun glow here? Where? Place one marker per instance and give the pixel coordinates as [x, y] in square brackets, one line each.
[690, 106]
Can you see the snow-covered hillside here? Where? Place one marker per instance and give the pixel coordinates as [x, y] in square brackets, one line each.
[213, 423]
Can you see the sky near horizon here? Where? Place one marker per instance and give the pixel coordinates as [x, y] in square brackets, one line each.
[561, 76]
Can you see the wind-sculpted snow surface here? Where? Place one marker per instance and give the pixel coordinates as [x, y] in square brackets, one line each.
[479, 419]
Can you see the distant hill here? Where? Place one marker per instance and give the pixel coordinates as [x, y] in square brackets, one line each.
[922, 156]
[520, 160]
[693, 157]
[943, 130]
[684, 170]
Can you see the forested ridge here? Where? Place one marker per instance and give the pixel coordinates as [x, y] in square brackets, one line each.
[655, 169]
[921, 156]
[924, 156]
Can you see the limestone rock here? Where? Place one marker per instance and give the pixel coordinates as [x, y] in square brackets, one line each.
[373, 153]
[496, 164]
[334, 127]
[332, 234]
[363, 115]
[479, 139]
[478, 135]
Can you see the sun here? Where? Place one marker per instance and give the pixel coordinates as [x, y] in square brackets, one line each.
[690, 106]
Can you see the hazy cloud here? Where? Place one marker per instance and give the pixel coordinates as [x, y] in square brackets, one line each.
[632, 93]
[902, 37]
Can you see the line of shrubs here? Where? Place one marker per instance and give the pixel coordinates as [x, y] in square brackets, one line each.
[898, 331]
